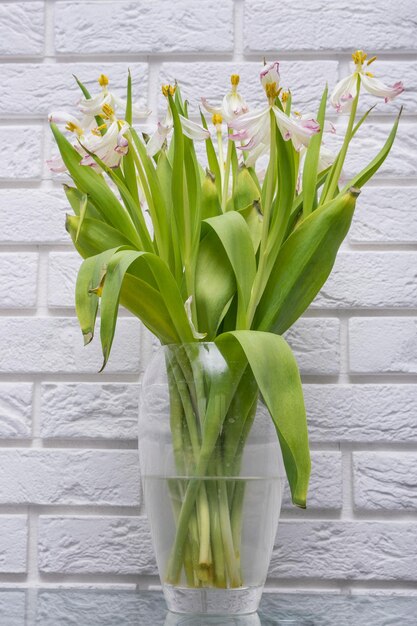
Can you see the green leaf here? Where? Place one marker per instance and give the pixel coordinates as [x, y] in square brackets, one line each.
[144, 266]
[90, 182]
[304, 263]
[245, 193]
[76, 197]
[360, 179]
[213, 163]
[210, 205]
[94, 236]
[233, 234]
[215, 284]
[311, 161]
[275, 370]
[253, 218]
[87, 290]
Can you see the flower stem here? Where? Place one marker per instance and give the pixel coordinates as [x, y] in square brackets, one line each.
[330, 191]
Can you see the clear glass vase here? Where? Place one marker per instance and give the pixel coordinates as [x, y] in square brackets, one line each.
[212, 475]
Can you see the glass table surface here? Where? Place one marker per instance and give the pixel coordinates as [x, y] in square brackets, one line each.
[103, 607]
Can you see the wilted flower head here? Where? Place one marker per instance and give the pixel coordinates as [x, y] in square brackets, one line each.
[233, 104]
[346, 89]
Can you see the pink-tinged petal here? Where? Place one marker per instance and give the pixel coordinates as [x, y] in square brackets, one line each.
[61, 117]
[376, 87]
[193, 130]
[244, 121]
[299, 131]
[210, 108]
[156, 141]
[56, 165]
[344, 92]
[270, 74]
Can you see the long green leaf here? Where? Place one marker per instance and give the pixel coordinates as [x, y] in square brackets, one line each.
[311, 161]
[87, 291]
[304, 263]
[90, 182]
[234, 236]
[94, 236]
[375, 164]
[140, 264]
[215, 284]
[276, 373]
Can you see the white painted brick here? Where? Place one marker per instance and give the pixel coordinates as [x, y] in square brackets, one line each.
[401, 161]
[99, 607]
[345, 550]
[18, 280]
[212, 80]
[53, 88]
[21, 157]
[22, 28]
[382, 345]
[13, 606]
[15, 410]
[371, 279]
[385, 481]
[325, 489]
[13, 542]
[385, 215]
[63, 269]
[316, 345]
[318, 25]
[55, 345]
[88, 410]
[95, 545]
[78, 477]
[361, 413]
[129, 27]
[33, 216]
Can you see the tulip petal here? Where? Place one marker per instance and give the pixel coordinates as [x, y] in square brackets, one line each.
[193, 130]
[344, 93]
[376, 87]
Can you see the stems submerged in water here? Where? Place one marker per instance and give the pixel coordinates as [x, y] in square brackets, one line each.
[208, 438]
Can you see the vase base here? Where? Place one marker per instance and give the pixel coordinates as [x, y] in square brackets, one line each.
[211, 601]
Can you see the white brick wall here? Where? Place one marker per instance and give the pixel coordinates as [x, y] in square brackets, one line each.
[71, 509]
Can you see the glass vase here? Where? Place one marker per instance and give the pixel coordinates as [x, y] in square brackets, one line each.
[212, 475]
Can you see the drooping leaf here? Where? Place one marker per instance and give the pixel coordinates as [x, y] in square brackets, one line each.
[141, 265]
[274, 367]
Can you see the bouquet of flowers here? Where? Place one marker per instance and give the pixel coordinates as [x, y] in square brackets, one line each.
[229, 249]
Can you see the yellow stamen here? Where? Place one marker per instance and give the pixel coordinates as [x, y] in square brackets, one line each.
[96, 131]
[297, 113]
[234, 79]
[74, 128]
[168, 89]
[359, 57]
[284, 96]
[371, 60]
[103, 80]
[271, 91]
[217, 119]
[369, 74]
[108, 111]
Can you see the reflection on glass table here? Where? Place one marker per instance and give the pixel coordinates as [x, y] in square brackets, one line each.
[74, 607]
